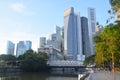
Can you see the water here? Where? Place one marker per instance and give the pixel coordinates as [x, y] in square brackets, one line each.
[36, 76]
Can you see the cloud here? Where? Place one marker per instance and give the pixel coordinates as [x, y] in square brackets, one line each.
[21, 8]
[18, 7]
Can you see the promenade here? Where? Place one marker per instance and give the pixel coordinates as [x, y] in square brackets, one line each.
[104, 75]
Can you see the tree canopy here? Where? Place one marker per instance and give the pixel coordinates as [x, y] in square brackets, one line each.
[108, 45]
[8, 57]
[115, 4]
[32, 61]
[90, 60]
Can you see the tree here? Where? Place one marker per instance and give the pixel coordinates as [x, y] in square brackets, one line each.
[89, 60]
[108, 46]
[9, 60]
[33, 62]
[7, 57]
[115, 4]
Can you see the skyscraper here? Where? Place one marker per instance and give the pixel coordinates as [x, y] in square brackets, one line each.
[54, 37]
[59, 37]
[72, 34]
[42, 41]
[28, 45]
[10, 47]
[22, 46]
[85, 36]
[91, 25]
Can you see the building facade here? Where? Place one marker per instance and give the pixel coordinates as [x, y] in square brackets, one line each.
[42, 41]
[99, 28]
[10, 47]
[28, 45]
[85, 36]
[91, 26]
[22, 46]
[72, 34]
[59, 37]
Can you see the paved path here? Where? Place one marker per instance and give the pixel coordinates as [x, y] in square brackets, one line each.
[104, 75]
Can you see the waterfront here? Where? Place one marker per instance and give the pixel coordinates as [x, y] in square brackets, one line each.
[36, 76]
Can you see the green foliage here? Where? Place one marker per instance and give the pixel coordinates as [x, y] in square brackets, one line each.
[33, 62]
[7, 60]
[8, 57]
[108, 45]
[115, 4]
[89, 60]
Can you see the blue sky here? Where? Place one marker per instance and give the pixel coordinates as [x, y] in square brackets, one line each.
[30, 19]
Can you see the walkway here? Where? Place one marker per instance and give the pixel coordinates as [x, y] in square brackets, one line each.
[104, 75]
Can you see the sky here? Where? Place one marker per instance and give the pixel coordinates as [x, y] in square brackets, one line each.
[32, 19]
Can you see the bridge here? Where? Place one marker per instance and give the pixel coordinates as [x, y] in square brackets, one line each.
[65, 63]
[66, 66]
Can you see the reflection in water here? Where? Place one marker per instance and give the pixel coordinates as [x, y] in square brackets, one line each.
[35, 76]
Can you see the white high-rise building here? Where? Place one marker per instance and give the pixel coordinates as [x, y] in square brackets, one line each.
[59, 37]
[91, 27]
[72, 34]
[10, 47]
[42, 41]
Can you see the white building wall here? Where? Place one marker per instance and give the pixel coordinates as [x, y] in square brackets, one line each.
[91, 27]
[79, 32]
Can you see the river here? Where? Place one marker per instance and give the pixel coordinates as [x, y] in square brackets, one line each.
[36, 76]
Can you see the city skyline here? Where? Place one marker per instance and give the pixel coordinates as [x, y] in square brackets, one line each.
[23, 20]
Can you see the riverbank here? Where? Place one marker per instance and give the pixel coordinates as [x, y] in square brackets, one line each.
[10, 69]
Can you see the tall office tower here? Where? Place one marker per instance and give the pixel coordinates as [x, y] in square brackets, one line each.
[10, 47]
[23, 46]
[42, 41]
[59, 37]
[91, 25]
[52, 41]
[72, 34]
[58, 30]
[20, 48]
[54, 37]
[28, 45]
[85, 36]
[62, 39]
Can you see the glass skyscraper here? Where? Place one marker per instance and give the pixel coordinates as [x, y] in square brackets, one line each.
[72, 34]
[28, 45]
[22, 46]
[85, 36]
[10, 47]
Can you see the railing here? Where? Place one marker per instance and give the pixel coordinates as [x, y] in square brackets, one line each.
[65, 63]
